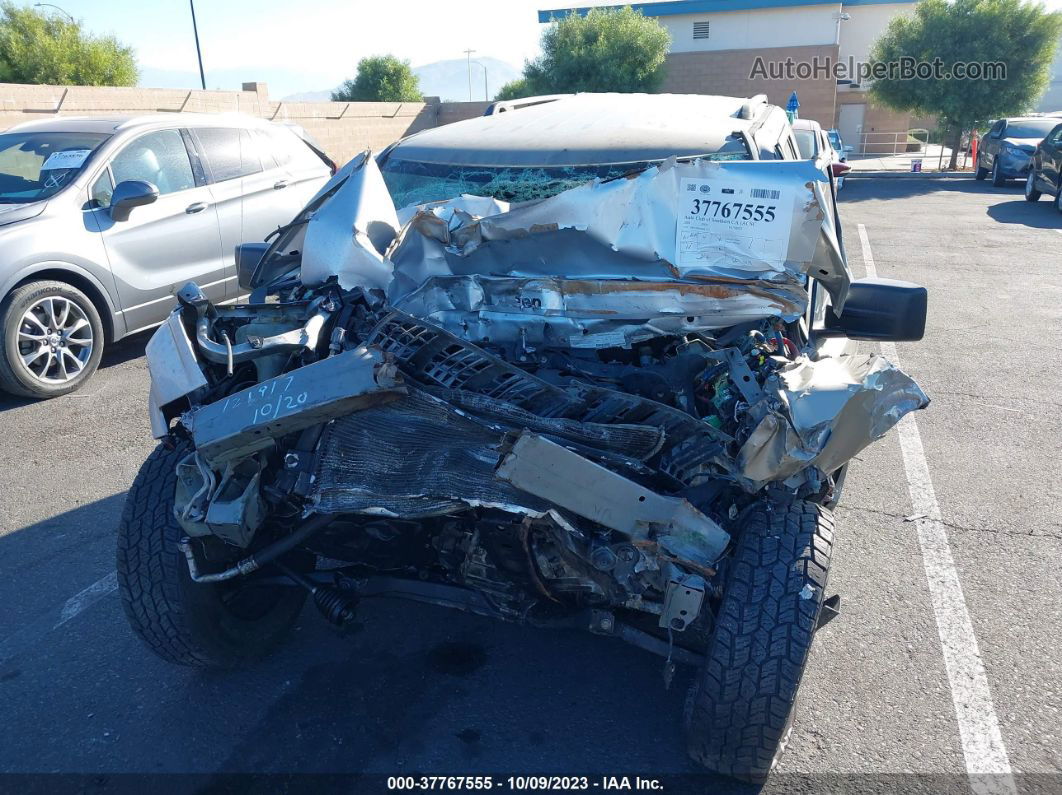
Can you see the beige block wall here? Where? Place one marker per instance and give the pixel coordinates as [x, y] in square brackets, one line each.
[342, 128]
[726, 72]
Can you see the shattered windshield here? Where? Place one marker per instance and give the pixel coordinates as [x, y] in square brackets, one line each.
[412, 182]
[36, 165]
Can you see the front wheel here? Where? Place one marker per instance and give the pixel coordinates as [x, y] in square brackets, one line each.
[215, 625]
[1031, 193]
[1058, 200]
[52, 340]
[740, 710]
[998, 180]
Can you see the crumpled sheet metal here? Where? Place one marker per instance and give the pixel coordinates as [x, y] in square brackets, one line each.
[348, 234]
[608, 264]
[836, 407]
[615, 262]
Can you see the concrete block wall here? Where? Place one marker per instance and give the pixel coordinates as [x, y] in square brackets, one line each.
[727, 72]
[342, 128]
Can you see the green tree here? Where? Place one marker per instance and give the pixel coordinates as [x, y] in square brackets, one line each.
[380, 78]
[1019, 35]
[605, 50]
[41, 48]
[514, 89]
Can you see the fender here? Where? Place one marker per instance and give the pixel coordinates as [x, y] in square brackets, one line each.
[113, 322]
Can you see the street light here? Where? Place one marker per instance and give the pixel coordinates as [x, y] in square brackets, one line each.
[198, 52]
[468, 56]
[65, 13]
[486, 96]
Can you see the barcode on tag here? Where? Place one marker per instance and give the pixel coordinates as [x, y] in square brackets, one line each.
[764, 193]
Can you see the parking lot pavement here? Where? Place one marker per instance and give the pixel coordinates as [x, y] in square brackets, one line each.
[422, 689]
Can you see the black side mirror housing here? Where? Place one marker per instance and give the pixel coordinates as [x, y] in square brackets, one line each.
[881, 310]
[248, 255]
[129, 194]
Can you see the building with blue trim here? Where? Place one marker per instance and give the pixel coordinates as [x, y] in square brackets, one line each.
[775, 47]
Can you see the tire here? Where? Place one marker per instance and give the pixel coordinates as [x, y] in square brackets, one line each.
[740, 711]
[182, 621]
[998, 180]
[1058, 200]
[980, 173]
[32, 321]
[1031, 193]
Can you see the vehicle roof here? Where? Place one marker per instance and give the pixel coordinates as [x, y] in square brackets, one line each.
[588, 129]
[806, 124]
[120, 123]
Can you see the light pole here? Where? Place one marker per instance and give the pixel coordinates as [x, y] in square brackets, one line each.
[486, 96]
[198, 52]
[65, 13]
[468, 56]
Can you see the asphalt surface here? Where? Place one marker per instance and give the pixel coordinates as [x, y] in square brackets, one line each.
[421, 689]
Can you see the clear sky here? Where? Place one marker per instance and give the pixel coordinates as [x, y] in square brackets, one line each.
[308, 45]
[313, 44]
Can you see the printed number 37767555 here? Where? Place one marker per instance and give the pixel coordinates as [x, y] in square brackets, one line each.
[711, 208]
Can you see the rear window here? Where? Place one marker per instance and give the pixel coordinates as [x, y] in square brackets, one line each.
[806, 143]
[413, 182]
[230, 152]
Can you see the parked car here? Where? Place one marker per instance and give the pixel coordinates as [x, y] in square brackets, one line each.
[101, 219]
[838, 145]
[1045, 172]
[1005, 151]
[813, 143]
[622, 404]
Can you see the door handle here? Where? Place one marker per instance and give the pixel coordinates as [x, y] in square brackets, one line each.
[280, 184]
[198, 207]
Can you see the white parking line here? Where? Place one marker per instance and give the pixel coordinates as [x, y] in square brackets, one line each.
[982, 743]
[79, 601]
[33, 631]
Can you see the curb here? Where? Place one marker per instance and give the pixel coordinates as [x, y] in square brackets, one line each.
[908, 174]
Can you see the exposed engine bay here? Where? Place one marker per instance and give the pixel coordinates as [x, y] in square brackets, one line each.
[555, 413]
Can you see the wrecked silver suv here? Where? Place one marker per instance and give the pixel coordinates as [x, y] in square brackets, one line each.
[625, 407]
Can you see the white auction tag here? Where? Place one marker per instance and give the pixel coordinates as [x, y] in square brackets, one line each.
[724, 220]
[71, 158]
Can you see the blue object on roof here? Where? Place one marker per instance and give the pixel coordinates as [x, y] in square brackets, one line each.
[793, 102]
[709, 6]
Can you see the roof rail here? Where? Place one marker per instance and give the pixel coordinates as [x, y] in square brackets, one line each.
[502, 106]
[751, 107]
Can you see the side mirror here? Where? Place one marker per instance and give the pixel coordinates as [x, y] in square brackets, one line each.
[840, 169]
[248, 255]
[129, 194]
[881, 310]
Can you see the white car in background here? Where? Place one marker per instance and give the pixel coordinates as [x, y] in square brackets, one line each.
[813, 143]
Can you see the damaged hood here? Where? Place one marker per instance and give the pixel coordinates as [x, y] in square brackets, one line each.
[676, 248]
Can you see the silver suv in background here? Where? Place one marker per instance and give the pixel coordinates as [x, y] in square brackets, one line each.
[1006, 150]
[102, 218]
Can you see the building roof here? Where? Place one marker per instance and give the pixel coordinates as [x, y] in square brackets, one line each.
[584, 129]
[673, 7]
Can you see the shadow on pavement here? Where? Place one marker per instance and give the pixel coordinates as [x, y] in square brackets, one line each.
[1039, 215]
[864, 188]
[415, 688]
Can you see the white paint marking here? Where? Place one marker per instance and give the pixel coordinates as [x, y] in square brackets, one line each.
[982, 743]
[84, 599]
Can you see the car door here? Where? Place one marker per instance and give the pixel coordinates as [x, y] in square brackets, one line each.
[305, 169]
[1050, 152]
[165, 244]
[990, 145]
[249, 195]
